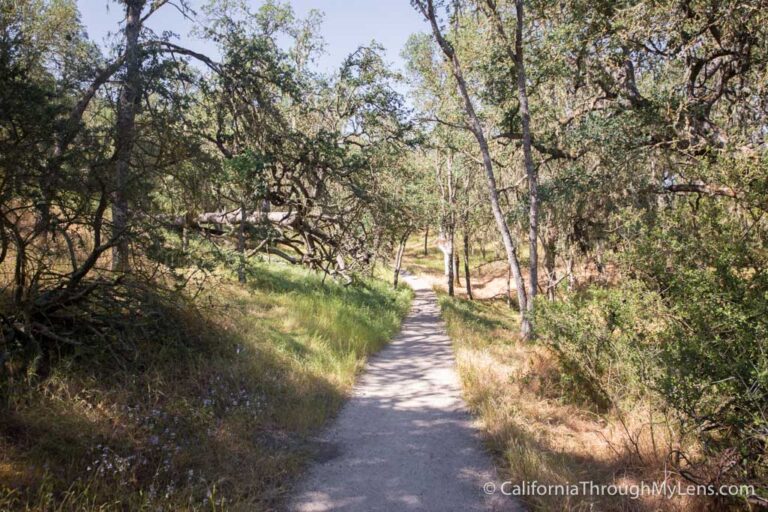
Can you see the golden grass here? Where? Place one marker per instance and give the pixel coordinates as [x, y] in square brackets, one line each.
[536, 434]
[432, 262]
[214, 409]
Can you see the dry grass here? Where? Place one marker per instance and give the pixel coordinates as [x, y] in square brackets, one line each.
[488, 268]
[539, 425]
[211, 409]
[516, 392]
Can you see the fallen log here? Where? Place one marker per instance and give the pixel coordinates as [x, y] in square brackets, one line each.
[231, 218]
[235, 217]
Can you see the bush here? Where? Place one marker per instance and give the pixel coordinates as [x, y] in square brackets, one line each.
[688, 326]
[607, 342]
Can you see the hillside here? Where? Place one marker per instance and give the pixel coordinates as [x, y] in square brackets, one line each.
[195, 403]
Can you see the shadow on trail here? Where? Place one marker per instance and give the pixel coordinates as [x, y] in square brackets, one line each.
[406, 440]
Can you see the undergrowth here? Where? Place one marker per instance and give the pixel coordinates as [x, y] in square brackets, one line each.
[205, 403]
[544, 425]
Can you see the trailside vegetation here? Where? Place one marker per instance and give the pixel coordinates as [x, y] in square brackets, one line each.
[618, 148]
[187, 252]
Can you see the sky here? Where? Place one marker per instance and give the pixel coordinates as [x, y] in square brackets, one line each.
[347, 25]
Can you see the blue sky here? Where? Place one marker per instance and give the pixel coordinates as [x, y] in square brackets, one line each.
[347, 24]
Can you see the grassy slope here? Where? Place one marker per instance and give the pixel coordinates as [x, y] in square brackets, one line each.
[213, 407]
[536, 432]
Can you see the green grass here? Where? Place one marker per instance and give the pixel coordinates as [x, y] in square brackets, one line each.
[416, 261]
[204, 405]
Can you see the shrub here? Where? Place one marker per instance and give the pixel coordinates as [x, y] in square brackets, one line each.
[607, 341]
[686, 326]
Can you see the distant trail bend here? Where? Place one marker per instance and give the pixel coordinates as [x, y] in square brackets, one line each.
[405, 441]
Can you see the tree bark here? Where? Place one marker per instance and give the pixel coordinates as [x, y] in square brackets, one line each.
[235, 217]
[599, 259]
[550, 255]
[126, 133]
[446, 250]
[447, 219]
[457, 266]
[446, 246]
[450, 269]
[426, 239]
[399, 259]
[428, 10]
[241, 244]
[530, 169]
[467, 280]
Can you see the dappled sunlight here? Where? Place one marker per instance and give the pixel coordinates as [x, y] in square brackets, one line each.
[215, 216]
[405, 441]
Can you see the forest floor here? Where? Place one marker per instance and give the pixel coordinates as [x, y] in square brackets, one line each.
[405, 441]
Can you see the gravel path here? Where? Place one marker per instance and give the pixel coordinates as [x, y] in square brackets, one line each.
[405, 441]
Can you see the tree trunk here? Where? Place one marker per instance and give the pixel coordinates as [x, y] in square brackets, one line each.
[426, 239]
[241, 244]
[550, 254]
[126, 132]
[456, 268]
[493, 192]
[467, 281]
[266, 207]
[569, 270]
[599, 260]
[446, 246]
[446, 260]
[20, 269]
[530, 169]
[399, 260]
[450, 271]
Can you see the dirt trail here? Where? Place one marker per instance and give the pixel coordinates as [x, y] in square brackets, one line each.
[405, 441]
